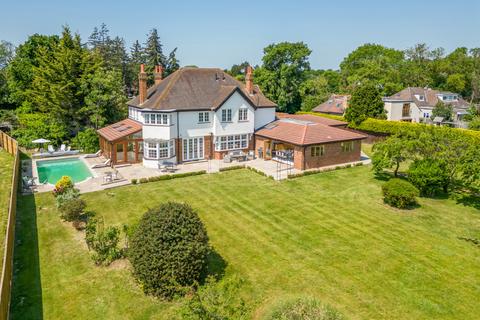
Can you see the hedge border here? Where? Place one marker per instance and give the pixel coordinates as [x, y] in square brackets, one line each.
[168, 177]
[310, 172]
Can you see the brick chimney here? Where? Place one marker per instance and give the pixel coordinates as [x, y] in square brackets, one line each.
[142, 84]
[158, 74]
[249, 79]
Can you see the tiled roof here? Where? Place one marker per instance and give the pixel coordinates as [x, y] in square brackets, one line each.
[312, 118]
[120, 129]
[430, 97]
[300, 132]
[336, 104]
[198, 89]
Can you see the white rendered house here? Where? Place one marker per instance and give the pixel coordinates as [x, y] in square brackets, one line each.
[416, 104]
[193, 114]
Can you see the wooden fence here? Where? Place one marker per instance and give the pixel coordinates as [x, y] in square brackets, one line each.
[11, 146]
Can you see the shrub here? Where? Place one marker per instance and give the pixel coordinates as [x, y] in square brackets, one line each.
[171, 176]
[232, 168]
[65, 183]
[302, 308]
[143, 180]
[72, 209]
[429, 176]
[104, 241]
[399, 193]
[216, 300]
[68, 194]
[134, 181]
[168, 249]
[86, 140]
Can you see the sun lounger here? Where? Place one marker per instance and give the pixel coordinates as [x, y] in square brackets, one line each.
[93, 155]
[51, 149]
[63, 148]
[101, 165]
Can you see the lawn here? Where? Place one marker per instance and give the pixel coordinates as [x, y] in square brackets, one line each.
[327, 235]
[6, 171]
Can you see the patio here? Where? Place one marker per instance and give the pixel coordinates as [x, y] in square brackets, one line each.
[126, 173]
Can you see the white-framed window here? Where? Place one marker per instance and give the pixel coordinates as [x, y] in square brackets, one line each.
[243, 114]
[426, 115]
[347, 146]
[227, 115]
[133, 113]
[160, 150]
[317, 151]
[151, 149]
[238, 141]
[203, 117]
[156, 118]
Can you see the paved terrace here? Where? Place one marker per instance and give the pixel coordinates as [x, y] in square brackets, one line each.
[271, 168]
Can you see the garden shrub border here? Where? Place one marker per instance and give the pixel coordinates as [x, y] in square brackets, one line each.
[310, 172]
[237, 167]
[168, 177]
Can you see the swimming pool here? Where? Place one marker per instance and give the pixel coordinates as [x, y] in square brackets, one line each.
[50, 171]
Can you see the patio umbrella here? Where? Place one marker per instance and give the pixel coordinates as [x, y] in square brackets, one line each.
[41, 140]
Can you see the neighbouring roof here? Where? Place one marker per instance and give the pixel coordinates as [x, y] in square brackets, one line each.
[198, 89]
[430, 97]
[312, 118]
[302, 132]
[120, 129]
[336, 104]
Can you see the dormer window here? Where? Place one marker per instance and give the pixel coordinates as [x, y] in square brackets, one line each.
[421, 98]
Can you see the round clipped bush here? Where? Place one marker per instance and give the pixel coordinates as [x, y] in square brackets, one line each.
[429, 176]
[302, 308]
[72, 209]
[168, 249]
[399, 193]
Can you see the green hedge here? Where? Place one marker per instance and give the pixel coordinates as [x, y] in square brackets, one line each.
[324, 115]
[310, 172]
[169, 177]
[394, 127]
[242, 166]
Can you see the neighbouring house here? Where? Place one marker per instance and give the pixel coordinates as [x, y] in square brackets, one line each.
[204, 113]
[336, 105]
[308, 141]
[416, 104]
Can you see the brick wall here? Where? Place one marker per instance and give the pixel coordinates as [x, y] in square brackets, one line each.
[333, 155]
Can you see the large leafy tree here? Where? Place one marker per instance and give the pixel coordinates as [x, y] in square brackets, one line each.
[6, 55]
[366, 102]
[58, 77]
[22, 68]
[373, 63]
[282, 73]
[443, 110]
[172, 63]
[314, 91]
[104, 98]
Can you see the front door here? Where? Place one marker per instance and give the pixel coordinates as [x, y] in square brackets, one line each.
[193, 149]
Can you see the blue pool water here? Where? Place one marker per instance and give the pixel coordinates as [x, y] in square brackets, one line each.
[51, 171]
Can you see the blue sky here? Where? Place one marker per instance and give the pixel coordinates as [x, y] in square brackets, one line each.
[220, 33]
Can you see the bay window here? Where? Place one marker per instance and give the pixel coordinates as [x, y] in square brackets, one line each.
[161, 149]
